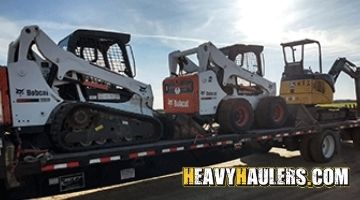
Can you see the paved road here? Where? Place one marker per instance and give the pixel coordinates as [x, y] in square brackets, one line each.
[169, 187]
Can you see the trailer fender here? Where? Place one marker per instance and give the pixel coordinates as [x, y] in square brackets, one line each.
[305, 148]
[11, 181]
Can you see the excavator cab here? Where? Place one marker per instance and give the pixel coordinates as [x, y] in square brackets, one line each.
[300, 85]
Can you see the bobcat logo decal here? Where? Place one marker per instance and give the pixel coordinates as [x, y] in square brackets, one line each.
[20, 92]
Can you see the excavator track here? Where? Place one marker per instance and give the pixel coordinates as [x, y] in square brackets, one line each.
[87, 126]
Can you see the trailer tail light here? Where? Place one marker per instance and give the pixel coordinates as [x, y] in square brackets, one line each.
[181, 94]
[5, 116]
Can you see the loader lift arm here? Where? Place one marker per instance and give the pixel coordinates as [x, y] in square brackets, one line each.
[67, 62]
[209, 55]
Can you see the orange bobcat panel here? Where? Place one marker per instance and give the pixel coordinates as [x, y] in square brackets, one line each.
[181, 94]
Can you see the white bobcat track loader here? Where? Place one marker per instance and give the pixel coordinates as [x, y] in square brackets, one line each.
[82, 92]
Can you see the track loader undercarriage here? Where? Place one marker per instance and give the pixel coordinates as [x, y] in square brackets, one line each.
[84, 126]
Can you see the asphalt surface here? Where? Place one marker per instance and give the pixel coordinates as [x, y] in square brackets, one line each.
[169, 187]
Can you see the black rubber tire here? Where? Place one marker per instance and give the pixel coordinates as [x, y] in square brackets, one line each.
[271, 112]
[235, 115]
[317, 143]
[355, 135]
[305, 148]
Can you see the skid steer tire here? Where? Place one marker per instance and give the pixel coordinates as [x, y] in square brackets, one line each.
[271, 112]
[324, 146]
[305, 148]
[235, 115]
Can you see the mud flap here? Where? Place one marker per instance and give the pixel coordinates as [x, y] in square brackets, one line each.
[181, 127]
[11, 181]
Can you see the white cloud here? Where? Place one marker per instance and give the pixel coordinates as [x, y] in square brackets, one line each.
[7, 34]
[244, 21]
[168, 37]
[263, 21]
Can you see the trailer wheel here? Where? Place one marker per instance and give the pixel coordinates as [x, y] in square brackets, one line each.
[324, 146]
[235, 115]
[271, 112]
[305, 148]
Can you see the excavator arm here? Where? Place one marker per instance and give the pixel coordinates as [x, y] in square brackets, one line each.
[343, 65]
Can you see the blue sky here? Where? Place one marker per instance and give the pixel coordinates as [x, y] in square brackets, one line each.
[159, 27]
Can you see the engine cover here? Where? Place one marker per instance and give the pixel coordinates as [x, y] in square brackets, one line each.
[193, 94]
[181, 94]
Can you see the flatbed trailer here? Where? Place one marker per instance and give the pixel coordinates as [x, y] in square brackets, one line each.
[67, 172]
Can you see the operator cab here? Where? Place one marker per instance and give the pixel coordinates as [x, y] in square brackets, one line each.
[109, 50]
[295, 66]
[249, 57]
[101, 48]
[305, 86]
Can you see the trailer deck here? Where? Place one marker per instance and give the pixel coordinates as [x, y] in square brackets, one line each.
[102, 156]
[80, 170]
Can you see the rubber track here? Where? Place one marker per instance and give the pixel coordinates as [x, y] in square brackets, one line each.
[59, 115]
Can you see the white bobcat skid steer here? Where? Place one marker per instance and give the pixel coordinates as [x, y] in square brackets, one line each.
[224, 85]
